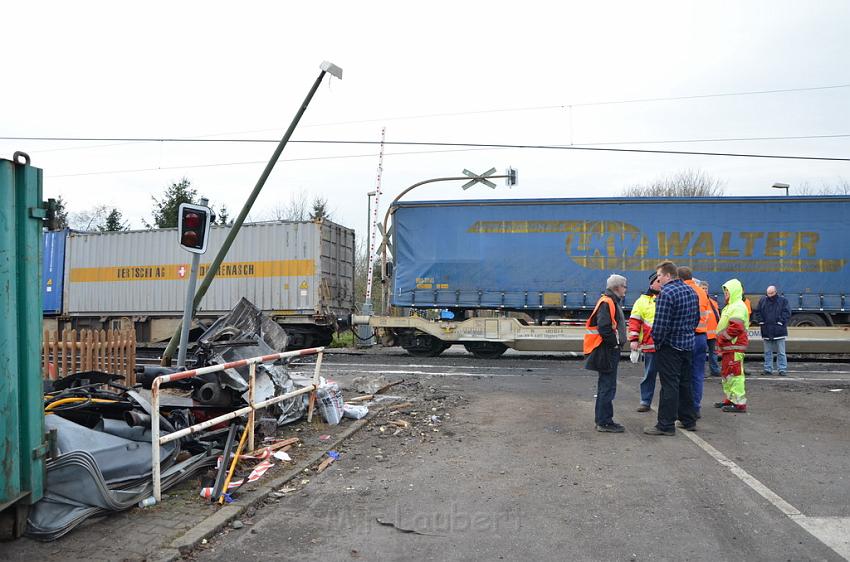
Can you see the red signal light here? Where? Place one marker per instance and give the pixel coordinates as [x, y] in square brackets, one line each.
[191, 220]
[190, 238]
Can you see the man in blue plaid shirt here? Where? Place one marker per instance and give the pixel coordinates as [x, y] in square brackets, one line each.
[676, 318]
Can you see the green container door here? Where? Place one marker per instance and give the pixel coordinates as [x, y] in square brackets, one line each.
[22, 447]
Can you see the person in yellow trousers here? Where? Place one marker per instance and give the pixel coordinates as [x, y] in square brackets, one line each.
[732, 341]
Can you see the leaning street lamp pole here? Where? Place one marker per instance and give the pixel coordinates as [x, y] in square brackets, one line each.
[471, 179]
[326, 68]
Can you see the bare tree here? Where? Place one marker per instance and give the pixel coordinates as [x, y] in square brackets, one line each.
[840, 187]
[687, 183]
[90, 219]
[296, 209]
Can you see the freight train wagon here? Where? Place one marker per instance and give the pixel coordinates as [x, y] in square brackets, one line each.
[299, 273]
[549, 258]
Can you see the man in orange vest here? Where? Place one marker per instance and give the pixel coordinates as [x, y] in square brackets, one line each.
[605, 333]
[700, 338]
[711, 335]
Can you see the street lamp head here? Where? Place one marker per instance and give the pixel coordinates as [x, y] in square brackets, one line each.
[781, 185]
[331, 69]
[371, 194]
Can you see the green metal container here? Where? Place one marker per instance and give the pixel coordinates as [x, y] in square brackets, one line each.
[22, 441]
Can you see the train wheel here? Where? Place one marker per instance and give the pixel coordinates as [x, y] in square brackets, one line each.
[423, 345]
[807, 320]
[486, 349]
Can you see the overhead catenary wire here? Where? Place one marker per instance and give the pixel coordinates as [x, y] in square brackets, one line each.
[485, 146]
[561, 106]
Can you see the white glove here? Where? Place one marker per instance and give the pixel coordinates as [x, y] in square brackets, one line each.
[634, 356]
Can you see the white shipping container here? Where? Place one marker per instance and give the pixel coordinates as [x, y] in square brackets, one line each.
[286, 268]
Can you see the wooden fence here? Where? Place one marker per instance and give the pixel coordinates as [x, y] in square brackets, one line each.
[70, 352]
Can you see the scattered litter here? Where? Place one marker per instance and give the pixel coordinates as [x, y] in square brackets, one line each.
[435, 419]
[332, 456]
[330, 402]
[401, 406]
[367, 385]
[304, 482]
[237, 524]
[355, 412]
[363, 398]
[386, 387]
[836, 389]
[404, 424]
[324, 437]
[282, 456]
[147, 502]
[397, 528]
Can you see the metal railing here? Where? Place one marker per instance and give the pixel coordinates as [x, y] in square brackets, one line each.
[250, 409]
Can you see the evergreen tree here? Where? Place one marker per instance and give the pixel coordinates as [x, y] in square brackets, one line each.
[224, 216]
[61, 214]
[165, 210]
[114, 222]
[320, 209]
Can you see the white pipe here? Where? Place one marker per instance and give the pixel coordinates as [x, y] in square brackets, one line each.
[157, 441]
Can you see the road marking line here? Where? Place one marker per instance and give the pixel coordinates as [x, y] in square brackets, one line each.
[797, 379]
[329, 363]
[834, 532]
[437, 374]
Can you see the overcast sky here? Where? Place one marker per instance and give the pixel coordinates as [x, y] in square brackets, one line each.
[467, 72]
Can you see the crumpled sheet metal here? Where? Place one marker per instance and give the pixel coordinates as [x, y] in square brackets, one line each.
[98, 471]
[254, 334]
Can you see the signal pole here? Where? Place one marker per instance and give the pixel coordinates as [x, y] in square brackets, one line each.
[187, 307]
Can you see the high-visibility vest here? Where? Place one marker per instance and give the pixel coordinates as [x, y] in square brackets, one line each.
[640, 323]
[704, 306]
[592, 339]
[712, 319]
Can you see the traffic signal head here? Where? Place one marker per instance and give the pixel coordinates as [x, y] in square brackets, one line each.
[193, 227]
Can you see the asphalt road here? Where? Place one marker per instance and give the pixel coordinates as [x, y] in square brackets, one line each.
[519, 472]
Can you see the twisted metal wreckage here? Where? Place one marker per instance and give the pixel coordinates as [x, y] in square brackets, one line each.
[101, 430]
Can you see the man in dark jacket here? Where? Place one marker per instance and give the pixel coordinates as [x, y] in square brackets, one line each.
[677, 315]
[605, 333]
[773, 314]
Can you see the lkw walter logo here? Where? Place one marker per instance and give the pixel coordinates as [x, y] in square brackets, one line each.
[618, 245]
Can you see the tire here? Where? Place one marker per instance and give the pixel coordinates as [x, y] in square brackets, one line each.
[807, 320]
[423, 345]
[486, 349]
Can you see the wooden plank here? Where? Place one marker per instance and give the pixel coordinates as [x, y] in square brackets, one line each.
[131, 364]
[55, 352]
[73, 338]
[45, 354]
[64, 370]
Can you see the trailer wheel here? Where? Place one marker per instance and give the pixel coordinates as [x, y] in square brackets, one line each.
[486, 349]
[807, 320]
[423, 345]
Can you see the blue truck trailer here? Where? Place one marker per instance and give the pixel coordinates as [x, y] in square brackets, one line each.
[549, 258]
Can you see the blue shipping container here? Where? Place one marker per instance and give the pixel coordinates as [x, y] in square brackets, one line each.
[557, 253]
[53, 270]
